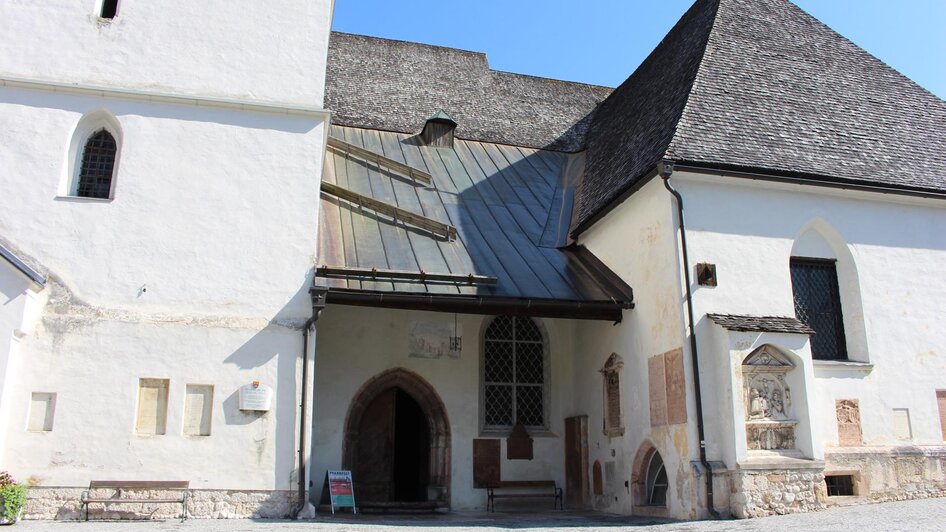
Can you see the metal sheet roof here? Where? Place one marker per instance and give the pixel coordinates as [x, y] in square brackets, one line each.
[22, 267]
[510, 206]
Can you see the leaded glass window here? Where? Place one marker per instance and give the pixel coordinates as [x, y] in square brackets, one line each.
[818, 305]
[514, 374]
[98, 163]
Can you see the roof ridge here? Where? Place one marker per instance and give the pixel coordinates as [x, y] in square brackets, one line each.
[546, 78]
[412, 43]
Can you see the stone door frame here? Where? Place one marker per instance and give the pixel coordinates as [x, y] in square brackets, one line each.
[430, 403]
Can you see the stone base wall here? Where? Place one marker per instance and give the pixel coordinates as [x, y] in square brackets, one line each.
[763, 492]
[890, 473]
[63, 503]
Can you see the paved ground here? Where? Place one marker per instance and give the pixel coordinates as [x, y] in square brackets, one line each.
[927, 514]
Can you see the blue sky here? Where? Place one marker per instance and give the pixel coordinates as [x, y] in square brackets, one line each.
[603, 41]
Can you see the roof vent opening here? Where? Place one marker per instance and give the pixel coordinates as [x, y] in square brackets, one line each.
[438, 131]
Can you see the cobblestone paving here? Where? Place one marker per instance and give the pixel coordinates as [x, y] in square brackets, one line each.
[928, 514]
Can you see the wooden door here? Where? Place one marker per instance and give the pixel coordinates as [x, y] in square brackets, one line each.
[374, 472]
[576, 462]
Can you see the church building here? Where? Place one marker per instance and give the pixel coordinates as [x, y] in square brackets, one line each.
[244, 253]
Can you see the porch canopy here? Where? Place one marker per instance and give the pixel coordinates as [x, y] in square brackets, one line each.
[479, 228]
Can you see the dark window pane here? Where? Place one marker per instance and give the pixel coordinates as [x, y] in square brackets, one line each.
[656, 481]
[500, 328]
[109, 8]
[498, 405]
[529, 363]
[498, 362]
[529, 406]
[98, 162]
[818, 305]
[839, 485]
[527, 330]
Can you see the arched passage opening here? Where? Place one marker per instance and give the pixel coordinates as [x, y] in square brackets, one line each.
[397, 441]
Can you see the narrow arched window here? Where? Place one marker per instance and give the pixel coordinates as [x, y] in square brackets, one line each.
[656, 481]
[515, 387]
[98, 164]
[109, 8]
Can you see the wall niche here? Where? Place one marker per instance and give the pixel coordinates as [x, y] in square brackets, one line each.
[770, 420]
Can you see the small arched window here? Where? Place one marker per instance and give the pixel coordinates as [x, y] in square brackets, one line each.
[93, 158]
[514, 374]
[98, 165]
[656, 481]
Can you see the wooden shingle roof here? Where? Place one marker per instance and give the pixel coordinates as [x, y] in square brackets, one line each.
[761, 86]
[395, 86]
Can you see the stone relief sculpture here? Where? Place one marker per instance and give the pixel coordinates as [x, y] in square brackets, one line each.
[770, 424]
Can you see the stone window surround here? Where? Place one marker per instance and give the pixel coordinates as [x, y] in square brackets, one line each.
[860, 488]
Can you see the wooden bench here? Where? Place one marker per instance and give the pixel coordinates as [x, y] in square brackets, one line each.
[137, 485]
[531, 489]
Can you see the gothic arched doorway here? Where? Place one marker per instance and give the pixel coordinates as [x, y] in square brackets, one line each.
[397, 441]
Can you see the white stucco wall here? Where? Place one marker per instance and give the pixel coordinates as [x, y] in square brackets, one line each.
[272, 51]
[637, 240]
[355, 344]
[95, 370]
[19, 302]
[890, 250]
[197, 268]
[214, 210]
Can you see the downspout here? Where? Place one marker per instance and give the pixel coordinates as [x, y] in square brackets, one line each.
[665, 169]
[317, 294]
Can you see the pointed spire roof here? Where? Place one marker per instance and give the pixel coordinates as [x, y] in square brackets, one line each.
[442, 116]
[760, 85]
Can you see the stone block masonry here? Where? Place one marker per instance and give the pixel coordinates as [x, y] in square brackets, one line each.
[62, 503]
[760, 493]
[891, 473]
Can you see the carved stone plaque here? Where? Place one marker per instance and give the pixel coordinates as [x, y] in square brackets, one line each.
[613, 418]
[848, 412]
[770, 436]
[676, 387]
[519, 444]
[658, 390]
[486, 463]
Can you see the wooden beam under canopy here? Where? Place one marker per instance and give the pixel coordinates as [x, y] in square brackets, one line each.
[440, 229]
[368, 155]
[344, 272]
